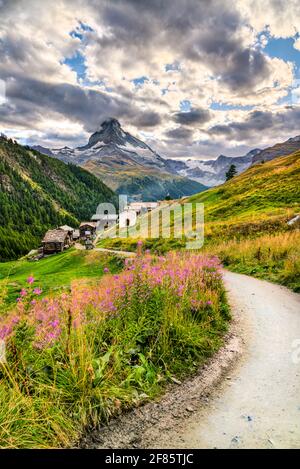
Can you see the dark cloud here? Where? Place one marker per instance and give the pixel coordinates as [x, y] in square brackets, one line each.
[258, 122]
[245, 69]
[35, 99]
[206, 32]
[193, 117]
[181, 133]
[146, 119]
[220, 130]
[134, 35]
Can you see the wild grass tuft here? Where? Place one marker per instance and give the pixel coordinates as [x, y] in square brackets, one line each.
[75, 360]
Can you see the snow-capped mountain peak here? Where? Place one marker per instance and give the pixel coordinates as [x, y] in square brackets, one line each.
[294, 139]
[109, 132]
[111, 142]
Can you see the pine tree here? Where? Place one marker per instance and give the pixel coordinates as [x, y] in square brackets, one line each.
[231, 172]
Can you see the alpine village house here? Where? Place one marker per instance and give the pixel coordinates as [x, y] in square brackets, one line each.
[56, 241]
[61, 238]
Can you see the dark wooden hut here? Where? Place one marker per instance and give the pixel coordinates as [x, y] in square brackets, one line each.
[87, 230]
[55, 241]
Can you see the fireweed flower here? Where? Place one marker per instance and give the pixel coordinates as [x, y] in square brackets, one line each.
[188, 280]
[30, 280]
[106, 270]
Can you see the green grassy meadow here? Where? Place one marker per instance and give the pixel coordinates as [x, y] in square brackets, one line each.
[249, 209]
[54, 273]
[78, 358]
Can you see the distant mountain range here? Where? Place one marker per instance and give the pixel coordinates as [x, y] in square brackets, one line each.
[127, 165]
[279, 149]
[212, 172]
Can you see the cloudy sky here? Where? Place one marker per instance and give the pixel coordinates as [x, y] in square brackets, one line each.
[193, 78]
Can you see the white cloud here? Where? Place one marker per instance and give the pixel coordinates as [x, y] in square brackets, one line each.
[280, 17]
[297, 44]
[213, 44]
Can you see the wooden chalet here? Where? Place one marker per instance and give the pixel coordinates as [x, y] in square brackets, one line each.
[68, 229]
[56, 241]
[87, 230]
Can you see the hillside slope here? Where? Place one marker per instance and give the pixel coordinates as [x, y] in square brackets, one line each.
[279, 149]
[263, 190]
[246, 223]
[140, 182]
[258, 201]
[38, 192]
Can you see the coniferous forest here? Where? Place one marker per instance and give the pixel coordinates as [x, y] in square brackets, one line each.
[38, 192]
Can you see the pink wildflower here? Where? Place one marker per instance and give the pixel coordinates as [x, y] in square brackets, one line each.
[30, 280]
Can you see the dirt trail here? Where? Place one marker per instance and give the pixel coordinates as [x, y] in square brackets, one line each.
[238, 400]
[116, 252]
[81, 247]
[259, 407]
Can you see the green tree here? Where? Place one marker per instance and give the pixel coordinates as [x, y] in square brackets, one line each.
[231, 172]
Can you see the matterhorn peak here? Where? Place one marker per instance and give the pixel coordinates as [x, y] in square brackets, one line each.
[111, 122]
[110, 140]
[110, 132]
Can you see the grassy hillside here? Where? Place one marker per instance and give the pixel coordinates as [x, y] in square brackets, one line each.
[260, 199]
[141, 181]
[75, 360]
[257, 201]
[244, 214]
[265, 189]
[54, 273]
[38, 192]
[274, 256]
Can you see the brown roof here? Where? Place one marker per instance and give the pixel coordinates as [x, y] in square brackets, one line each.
[55, 236]
[66, 228]
[93, 224]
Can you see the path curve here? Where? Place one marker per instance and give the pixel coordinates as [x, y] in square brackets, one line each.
[246, 396]
[259, 406]
[116, 252]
